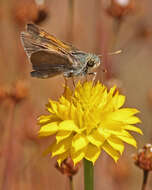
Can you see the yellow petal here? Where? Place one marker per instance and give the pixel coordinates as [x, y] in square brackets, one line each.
[64, 101]
[104, 133]
[61, 135]
[44, 119]
[133, 128]
[63, 112]
[75, 115]
[61, 147]
[112, 125]
[68, 125]
[52, 106]
[72, 113]
[122, 114]
[116, 144]
[96, 138]
[92, 153]
[98, 90]
[48, 129]
[103, 100]
[128, 138]
[80, 117]
[132, 120]
[118, 101]
[97, 95]
[112, 152]
[62, 157]
[77, 156]
[87, 89]
[79, 142]
[112, 90]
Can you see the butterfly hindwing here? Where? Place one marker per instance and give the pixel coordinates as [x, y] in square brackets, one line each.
[45, 60]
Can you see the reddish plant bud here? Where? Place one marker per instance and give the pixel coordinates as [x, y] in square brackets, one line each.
[20, 91]
[25, 11]
[143, 159]
[67, 167]
[120, 8]
[29, 11]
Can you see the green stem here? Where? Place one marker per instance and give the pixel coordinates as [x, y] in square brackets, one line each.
[71, 183]
[88, 175]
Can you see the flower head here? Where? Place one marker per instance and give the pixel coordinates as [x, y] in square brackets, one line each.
[88, 120]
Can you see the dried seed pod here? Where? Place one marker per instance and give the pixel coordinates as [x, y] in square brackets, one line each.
[120, 8]
[24, 11]
[67, 167]
[20, 91]
[143, 159]
[29, 11]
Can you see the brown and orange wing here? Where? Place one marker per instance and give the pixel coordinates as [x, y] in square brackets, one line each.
[49, 39]
[48, 55]
[42, 40]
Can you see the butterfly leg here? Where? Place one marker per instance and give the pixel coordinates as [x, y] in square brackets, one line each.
[86, 78]
[65, 92]
[73, 81]
[66, 82]
[94, 75]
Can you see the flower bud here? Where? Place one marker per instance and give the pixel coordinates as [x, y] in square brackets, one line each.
[120, 8]
[143, 159]
[67, 167]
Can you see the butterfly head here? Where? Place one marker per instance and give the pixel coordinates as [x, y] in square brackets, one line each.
[93, 61]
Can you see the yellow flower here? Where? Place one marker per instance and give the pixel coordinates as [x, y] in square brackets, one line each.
[87, 121]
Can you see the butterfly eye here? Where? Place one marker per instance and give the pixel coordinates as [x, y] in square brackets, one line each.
[90, 63]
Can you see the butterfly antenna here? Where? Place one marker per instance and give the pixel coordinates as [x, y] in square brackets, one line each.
[113, 53]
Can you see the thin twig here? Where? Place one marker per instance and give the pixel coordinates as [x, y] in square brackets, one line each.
[71, 182]
[145, 178]
[71, 20]
[8, 169]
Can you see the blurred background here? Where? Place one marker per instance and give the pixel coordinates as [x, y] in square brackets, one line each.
[97, 26]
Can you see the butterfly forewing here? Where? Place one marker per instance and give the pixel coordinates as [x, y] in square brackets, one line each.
[50, 56]
[32, 44]
[49, 40]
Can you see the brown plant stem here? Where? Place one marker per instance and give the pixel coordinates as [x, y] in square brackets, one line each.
[116, 29]
[71, 21]
[145, 178]
[101, 39]
[71, 182]
[8, 169]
